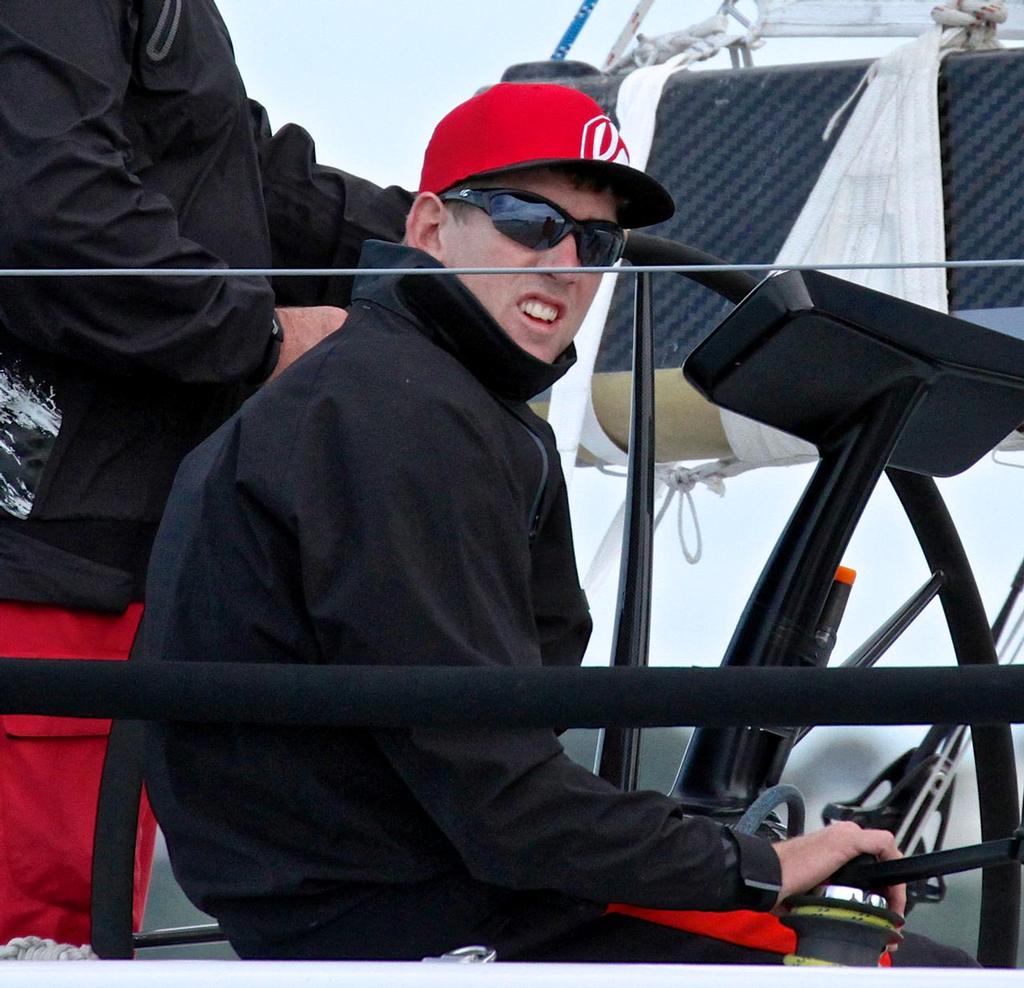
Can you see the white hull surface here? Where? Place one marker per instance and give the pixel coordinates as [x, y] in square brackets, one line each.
[294, 974]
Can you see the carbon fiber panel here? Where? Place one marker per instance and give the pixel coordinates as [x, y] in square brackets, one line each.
[981, 104]
[741, 150]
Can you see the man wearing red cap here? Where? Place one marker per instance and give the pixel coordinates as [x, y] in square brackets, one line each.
[392, 500]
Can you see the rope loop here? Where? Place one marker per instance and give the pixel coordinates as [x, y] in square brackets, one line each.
[682, 480]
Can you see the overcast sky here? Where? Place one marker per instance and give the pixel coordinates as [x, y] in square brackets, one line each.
[369, 80]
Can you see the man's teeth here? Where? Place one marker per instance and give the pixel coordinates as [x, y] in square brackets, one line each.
[539, 310]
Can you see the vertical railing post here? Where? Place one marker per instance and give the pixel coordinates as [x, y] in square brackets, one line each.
[619, 755]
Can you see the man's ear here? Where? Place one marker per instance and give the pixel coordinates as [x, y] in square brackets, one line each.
[423, 225]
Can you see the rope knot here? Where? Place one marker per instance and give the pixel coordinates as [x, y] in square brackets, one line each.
[969, 25]
[40, 949]
[682, 480]
[970, 13]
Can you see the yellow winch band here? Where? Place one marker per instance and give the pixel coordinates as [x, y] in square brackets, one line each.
[841, 913]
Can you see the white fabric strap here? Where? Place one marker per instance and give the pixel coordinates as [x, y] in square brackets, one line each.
[571, 413]
[879, 196]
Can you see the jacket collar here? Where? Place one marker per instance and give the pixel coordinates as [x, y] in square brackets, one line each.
[447, 312]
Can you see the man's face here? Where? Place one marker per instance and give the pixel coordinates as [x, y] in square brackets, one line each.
[540, 312]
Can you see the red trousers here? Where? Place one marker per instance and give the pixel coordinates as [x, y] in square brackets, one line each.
[49, 782]
[743, 927]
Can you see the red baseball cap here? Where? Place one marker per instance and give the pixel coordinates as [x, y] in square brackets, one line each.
[517, 125]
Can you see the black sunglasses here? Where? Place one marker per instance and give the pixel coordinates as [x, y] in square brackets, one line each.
[539, 224]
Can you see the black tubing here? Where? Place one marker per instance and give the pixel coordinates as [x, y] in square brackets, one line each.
[113, 861]
[993, 744]
[646, 249]
[620, 747]
[769, 801]
[440, 696]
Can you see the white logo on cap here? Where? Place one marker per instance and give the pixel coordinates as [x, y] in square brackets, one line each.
[601, 142]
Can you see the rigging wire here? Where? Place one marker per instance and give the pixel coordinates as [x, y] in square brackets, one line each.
[632, 269]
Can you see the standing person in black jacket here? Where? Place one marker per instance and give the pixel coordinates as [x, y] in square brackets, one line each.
[126, 141]
[392, 500]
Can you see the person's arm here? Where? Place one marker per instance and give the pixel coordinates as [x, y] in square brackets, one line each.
[318, 216]
[300, 329]
[70, 197]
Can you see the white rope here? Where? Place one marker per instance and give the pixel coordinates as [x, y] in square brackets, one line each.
[679, 482]
[696, 43]
[1013, 443]
[999, 461]
[671, 479]
[39, 949]
[973, 28]
[975, 23]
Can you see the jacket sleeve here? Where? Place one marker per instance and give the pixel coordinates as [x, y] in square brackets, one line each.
[424, 561]
[319, 216]
[69, 197]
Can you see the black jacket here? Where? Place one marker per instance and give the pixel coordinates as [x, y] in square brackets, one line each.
[392, 500]
[126, 140]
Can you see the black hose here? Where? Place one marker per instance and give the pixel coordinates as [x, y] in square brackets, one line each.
[646, 249]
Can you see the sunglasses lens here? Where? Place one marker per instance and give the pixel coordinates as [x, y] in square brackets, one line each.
[532, 224]
[542, 225]
[599, 247]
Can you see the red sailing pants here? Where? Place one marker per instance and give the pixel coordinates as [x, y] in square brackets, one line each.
[762, 931]
[49, 782]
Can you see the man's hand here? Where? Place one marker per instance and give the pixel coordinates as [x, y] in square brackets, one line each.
[303, 328]
[808, 860]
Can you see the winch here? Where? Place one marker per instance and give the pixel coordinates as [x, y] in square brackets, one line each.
[841, 925]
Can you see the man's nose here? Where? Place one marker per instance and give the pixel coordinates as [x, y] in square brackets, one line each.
[563, 254]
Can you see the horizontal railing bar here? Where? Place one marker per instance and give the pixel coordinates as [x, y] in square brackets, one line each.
[446, 696]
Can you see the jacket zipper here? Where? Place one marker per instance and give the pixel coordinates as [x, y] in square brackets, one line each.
[538, 498]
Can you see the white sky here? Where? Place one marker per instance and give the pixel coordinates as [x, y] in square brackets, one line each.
[369, 80]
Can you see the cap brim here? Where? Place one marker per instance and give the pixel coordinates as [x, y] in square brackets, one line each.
[645, 200]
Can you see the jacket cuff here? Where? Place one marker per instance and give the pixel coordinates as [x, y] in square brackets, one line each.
[272, 352]
[757, 871]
